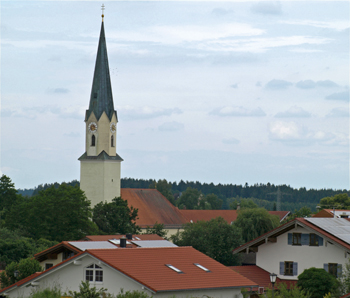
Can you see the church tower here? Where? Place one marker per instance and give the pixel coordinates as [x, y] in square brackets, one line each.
[100, 164]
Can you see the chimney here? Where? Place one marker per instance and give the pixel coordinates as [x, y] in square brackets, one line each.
[128, 236]
[123, 242]
[238, 206]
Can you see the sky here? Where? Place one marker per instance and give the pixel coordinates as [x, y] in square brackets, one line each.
[222, 92]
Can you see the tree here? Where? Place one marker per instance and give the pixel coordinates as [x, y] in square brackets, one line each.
[189, 199]
[255, 222]
[213, 201]
[55, 214]
[116, 217]
[157, 229]
[302, 212]
[215, 238]
[8, 196]
[339, 201]
[344, 280]
[132, 294]
[243, 203]
[86, 292]
[317, 282]
[25, 268]
[164, 187]
[281, 291]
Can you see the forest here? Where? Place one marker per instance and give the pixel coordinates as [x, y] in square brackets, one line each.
[264, 195]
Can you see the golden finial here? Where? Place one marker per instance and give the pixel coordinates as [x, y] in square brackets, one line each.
[103, 8]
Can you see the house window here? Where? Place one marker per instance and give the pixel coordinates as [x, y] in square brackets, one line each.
[67, 254]
[48, 265]
[94, 273]
[288, 268]
[296, 238]
[112, 141]
[313, 240]
[93, 140]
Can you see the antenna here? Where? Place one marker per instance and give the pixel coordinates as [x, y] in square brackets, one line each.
[279, 195]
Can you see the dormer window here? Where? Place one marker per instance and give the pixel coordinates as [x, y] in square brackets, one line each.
[94, 273]
[93, 141]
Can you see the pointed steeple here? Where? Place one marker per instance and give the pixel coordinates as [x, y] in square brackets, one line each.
[101, 98]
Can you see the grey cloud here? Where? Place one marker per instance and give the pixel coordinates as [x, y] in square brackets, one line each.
[278, 84]
[344, 96]
[58, 90]
[72, 134]
[338, 113]
[258, 84]
[237, 112]
[326, 84]
[231, 141]
[171, 126]
[18, 113]
[269, 8]
[220, 11]
[308, 84]
[130, 113]
[293, 112]
[234, 86]
[55, 59]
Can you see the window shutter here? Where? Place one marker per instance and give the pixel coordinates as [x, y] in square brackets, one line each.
[290, 238]
[339, 270]
[320, 241]
[281, 268]
[325, 267]
[295, 268]
[305, 239]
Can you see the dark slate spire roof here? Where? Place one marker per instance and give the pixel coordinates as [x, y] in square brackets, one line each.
[101, 98]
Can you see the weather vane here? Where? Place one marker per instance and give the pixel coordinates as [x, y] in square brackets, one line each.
[103, 8]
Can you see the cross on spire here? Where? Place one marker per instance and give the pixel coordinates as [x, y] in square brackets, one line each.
[102, 8]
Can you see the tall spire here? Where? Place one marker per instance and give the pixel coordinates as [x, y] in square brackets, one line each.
[101, 98]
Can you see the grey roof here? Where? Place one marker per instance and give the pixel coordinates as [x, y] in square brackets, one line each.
[102, 156]
[339, 227]
[154, 243]
[84, 245]
[101, 98]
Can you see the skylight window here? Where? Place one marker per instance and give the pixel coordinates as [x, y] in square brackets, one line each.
[174, 268]
[202, 267]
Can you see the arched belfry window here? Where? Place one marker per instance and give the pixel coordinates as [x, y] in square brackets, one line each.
[112, 141]
[93, 140]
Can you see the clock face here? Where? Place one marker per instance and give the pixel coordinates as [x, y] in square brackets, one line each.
[92, 127]
[113, 127]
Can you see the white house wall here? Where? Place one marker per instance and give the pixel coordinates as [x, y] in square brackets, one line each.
[270, 255]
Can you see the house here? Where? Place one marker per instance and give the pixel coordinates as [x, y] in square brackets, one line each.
[66, 249]
[161, 272]
[301, 244]
[333, 213]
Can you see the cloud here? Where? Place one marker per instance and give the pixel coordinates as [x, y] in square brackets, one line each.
[269, 8]
[295, 134]
[220, 11]
[171, 126]
[336, 25]
[72, 134]
[338, 113]
[295, 112]
[344, 96]
[146, 112]
[278, 84]
[326, 84]
[231, 141]
[238, 112]
[18, 113]
[234, 86]
[308, 84]
[58, 90]
[258, 84]
[33, 112]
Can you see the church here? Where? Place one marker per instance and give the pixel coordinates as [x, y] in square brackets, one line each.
[100, 165]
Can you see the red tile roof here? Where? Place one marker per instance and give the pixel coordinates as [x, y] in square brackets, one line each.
[260, 276]
[40, 256]
[148, 266]
[152, 207]
[109, 237]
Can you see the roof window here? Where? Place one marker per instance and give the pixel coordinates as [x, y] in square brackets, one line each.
[173, 268]
[202, 267]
